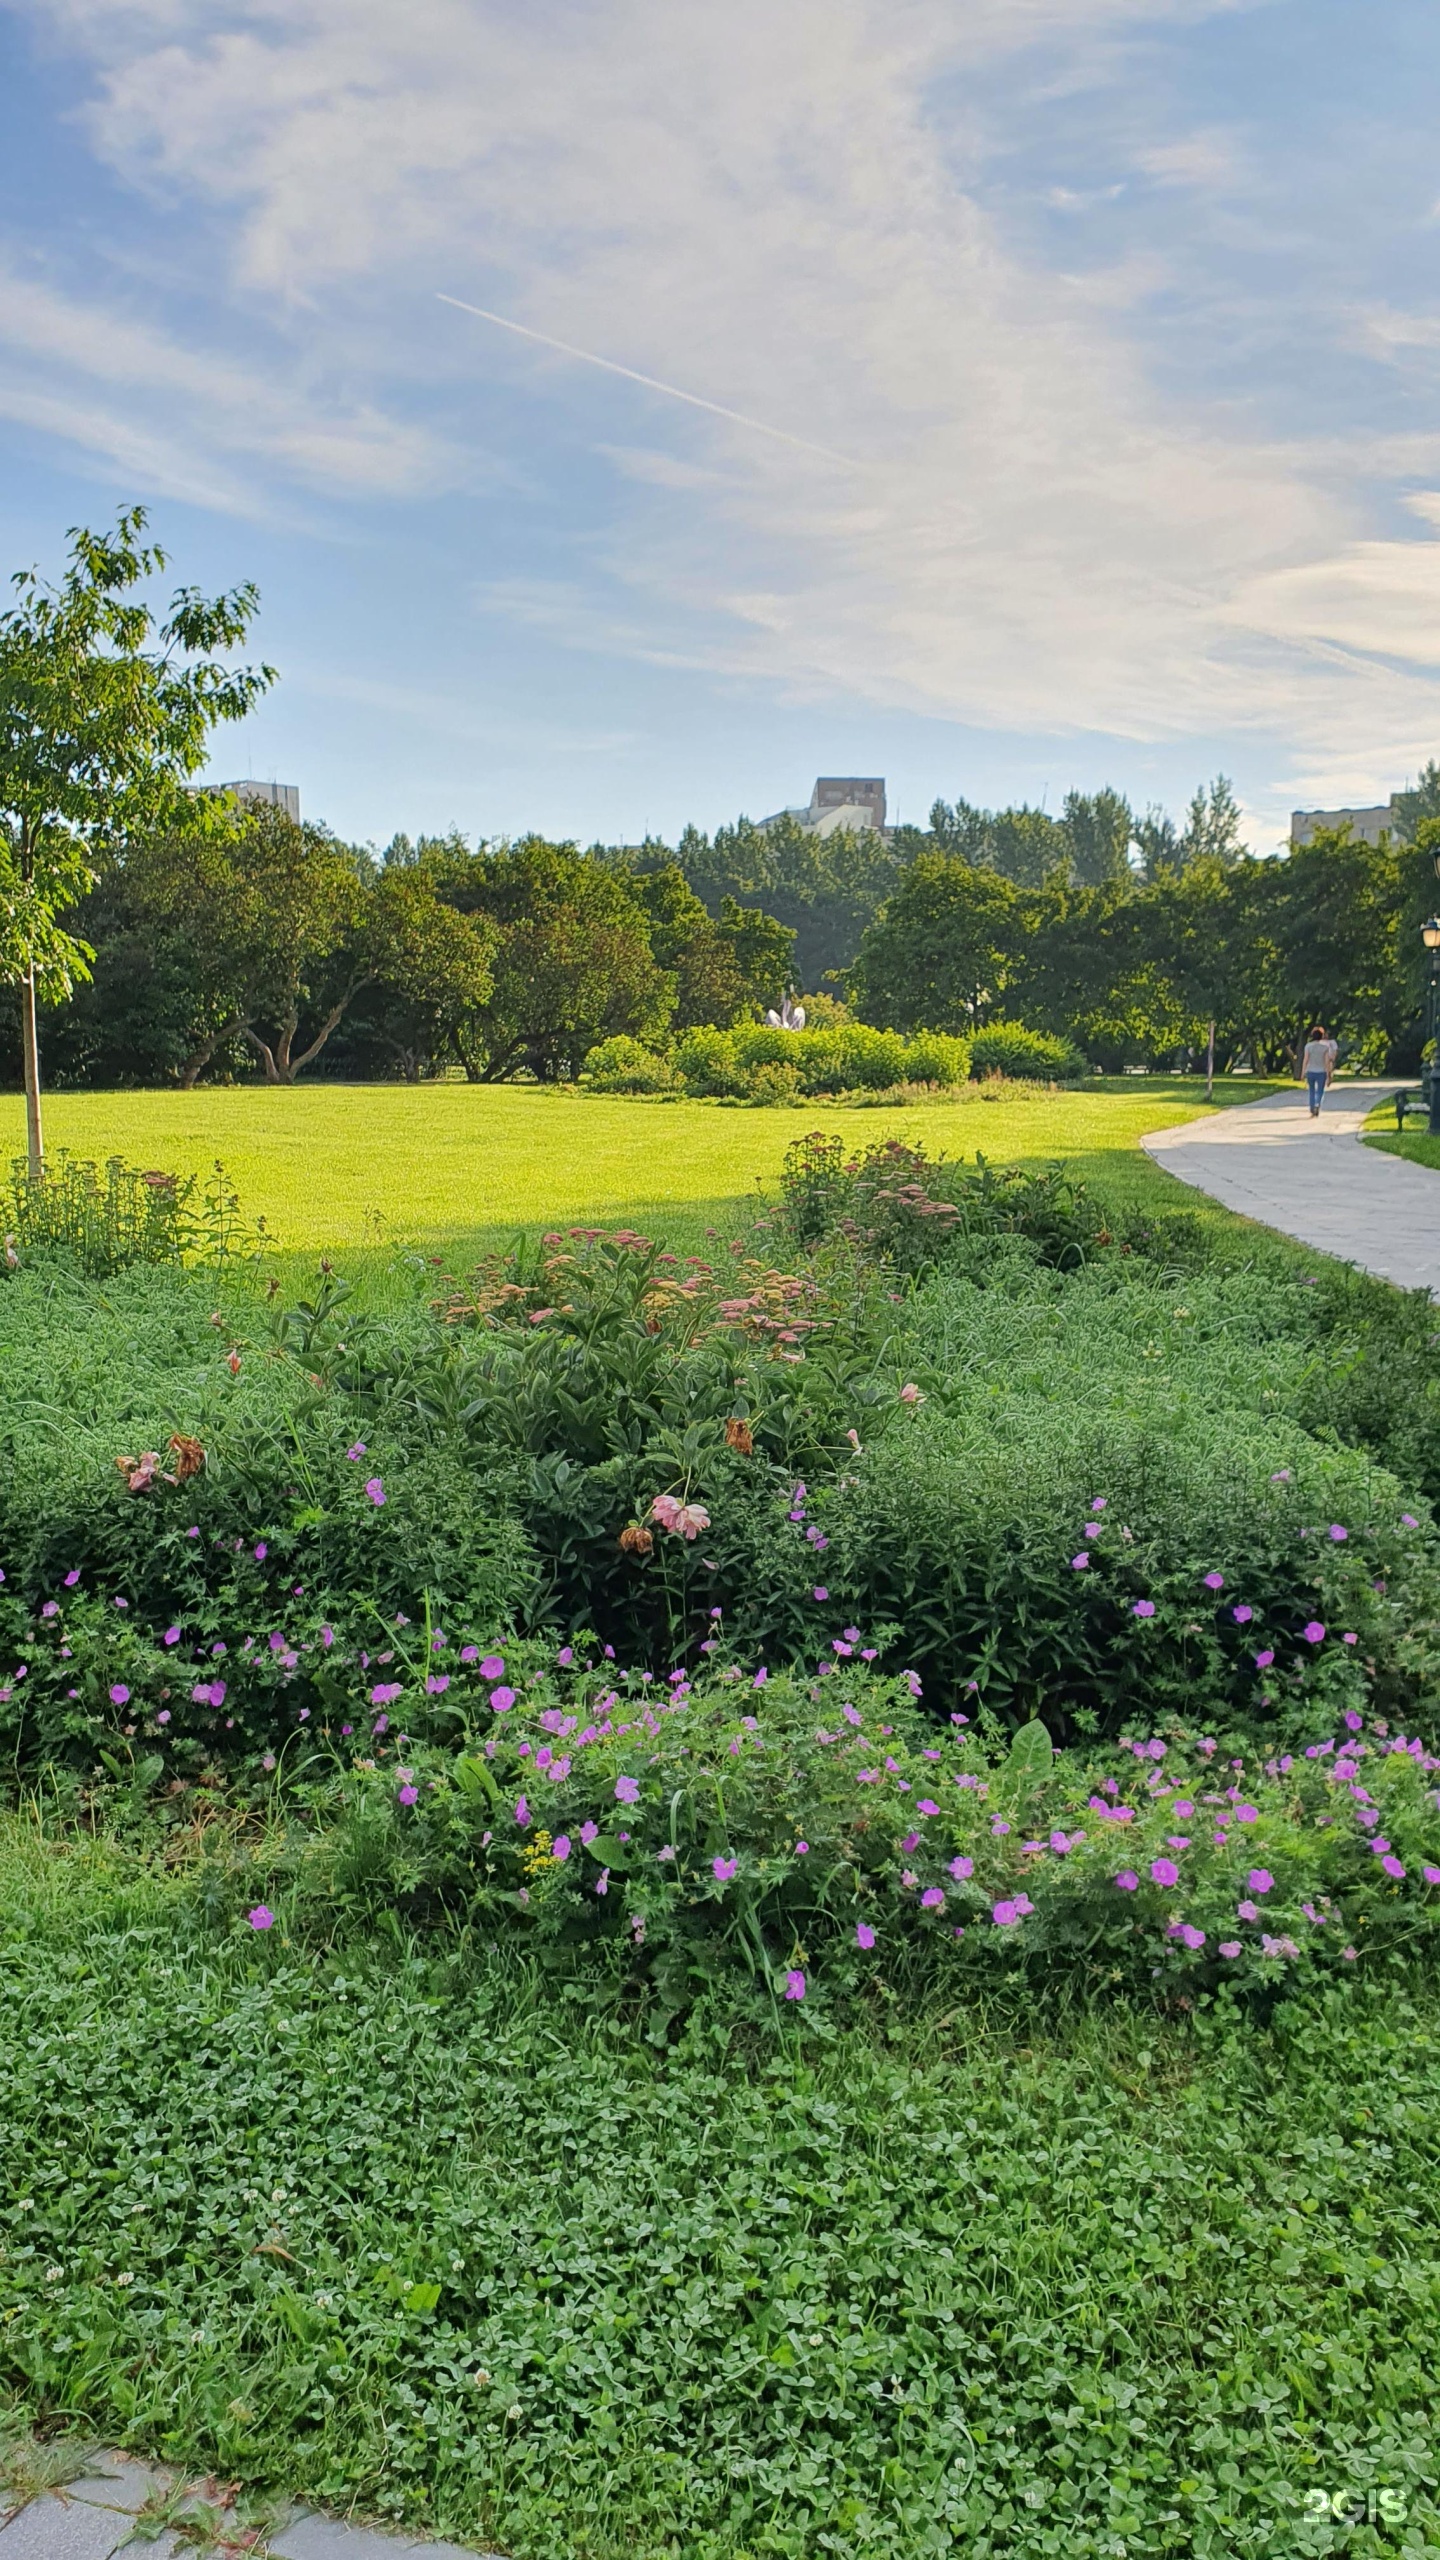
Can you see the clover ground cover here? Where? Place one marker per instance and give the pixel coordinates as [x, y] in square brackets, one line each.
[429, 2240]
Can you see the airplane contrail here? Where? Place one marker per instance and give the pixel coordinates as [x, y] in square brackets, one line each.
[627, 372]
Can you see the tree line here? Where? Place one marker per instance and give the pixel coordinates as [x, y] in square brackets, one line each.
[173, 936]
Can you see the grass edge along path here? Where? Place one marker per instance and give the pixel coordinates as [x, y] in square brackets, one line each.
[438, 2243]
[1414, 1143]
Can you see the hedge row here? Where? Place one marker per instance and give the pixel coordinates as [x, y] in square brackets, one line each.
[757, 1062]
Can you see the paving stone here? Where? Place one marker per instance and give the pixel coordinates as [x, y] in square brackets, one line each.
[52, 2528]
[309, 2537]
[117, 2480]
[1314, 1180]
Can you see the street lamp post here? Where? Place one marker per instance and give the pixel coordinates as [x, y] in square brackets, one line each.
[1430, 936]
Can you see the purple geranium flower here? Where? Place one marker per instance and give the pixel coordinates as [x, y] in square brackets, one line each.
[261, 1917]
[1164, 1871]
[864, 1935]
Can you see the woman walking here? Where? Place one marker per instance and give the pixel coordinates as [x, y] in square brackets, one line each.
[1318, 1065]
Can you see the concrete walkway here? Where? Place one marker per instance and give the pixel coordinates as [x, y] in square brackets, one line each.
[1314, 1180]
[103, 2504]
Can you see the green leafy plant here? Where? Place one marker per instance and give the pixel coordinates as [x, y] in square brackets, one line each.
[1008, 1049]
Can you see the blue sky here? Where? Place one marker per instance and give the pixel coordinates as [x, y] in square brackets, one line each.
[1116, 324]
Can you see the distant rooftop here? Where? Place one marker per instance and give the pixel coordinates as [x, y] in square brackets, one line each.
[1367, 826]
[840, 802]
[258, 795]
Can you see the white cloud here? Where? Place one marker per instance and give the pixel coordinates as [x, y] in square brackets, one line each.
[105, 381]
[1207, 160]
[777, 210]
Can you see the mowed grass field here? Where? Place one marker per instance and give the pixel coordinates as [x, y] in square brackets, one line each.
[449, 1168]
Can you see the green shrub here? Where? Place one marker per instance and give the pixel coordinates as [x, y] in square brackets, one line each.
[774, 1080]
[1008, 1049]
[709, 1064]
[909, 1425]
[933, 1057]
[104, 1220]
[833, 1058]
[623, 1065]
[829, 1831]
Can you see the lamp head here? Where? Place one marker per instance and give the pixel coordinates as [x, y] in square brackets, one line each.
[1430, 933]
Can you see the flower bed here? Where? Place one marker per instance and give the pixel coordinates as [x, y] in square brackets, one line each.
[809, 1831]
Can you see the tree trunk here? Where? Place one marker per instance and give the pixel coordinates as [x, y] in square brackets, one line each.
[30, 1036]
[265, 1054]
[201, 1057]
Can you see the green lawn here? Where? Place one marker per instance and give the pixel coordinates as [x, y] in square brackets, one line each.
[447, 1165]
[1416, 1144]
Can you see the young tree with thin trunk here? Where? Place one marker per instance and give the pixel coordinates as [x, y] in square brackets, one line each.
[105, 713]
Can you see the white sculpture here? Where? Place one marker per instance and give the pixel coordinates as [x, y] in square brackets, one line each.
[791, 1016]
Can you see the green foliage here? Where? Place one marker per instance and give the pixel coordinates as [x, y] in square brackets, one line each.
[914, 1419]
[1132, 971]
[623, 1065]
[100, 729]
[845, 1057]
[1008, 1049]
[431, 2241]
[942, 952]
[825, 889]
[101, 1224]
[827, 1827]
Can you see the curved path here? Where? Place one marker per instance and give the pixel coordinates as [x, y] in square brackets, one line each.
[1315, 1181]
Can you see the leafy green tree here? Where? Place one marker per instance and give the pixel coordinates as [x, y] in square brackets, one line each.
[1212, 826]
[1340, 905]
[1157, 841]
[1412, 808]
[762, 953]
[572, 965]
[826, 889]
[1098, 828]
[1024, 844]
[431, 968]
[724, 971]
[104, 715]
[943, 952]
[269, 936]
